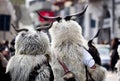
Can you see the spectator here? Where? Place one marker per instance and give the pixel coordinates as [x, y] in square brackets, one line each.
[114, 53]
[5, 49]
[3, 64]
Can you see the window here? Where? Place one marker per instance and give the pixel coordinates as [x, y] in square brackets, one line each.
[5, 22]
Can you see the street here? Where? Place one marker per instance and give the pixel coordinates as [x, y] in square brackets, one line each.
[111, 76]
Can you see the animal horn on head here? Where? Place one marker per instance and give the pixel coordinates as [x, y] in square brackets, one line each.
[90, 41]
[49, 18]
[77, 14]
[18, 30]
[44, 28]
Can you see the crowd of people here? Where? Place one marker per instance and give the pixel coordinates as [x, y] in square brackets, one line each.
[114, 53]
[6, 51]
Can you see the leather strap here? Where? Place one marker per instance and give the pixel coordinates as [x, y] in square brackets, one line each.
[64, 66]
[88, 73]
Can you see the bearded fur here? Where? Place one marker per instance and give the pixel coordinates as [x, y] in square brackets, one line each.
[30, 50]
[20, 66]
[66, 46]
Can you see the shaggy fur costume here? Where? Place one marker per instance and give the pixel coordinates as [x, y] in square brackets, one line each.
[67, 45]
[30, 51]
[100, 71]
[99, 74]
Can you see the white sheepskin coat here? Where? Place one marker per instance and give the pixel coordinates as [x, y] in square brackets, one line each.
[30, 50]
[66, 45]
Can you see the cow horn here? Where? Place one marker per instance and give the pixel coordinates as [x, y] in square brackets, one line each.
[77, 14]
[90, 41]
[19, 30]
[44, 28]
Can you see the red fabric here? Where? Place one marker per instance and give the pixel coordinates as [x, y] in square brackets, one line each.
[46, 13]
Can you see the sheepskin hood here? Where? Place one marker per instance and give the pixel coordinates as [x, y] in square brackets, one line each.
[32, 43]
[67, 30]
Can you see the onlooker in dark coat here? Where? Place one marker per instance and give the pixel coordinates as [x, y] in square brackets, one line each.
[3, 63]
[114, 53]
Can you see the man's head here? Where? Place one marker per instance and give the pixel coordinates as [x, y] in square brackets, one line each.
[66, 28]
[31, 42]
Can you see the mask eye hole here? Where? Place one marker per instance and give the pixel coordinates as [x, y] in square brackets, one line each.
[58, 19]
[67, 18]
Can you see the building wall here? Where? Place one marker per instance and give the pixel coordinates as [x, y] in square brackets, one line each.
[117, 14]
[94, 12]
[7, 35]
[6, 8]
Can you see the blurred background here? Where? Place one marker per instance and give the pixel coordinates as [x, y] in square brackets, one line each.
[100, 14]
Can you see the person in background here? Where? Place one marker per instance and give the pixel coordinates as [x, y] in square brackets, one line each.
[3, 64]
[5, 49]
[114, 53]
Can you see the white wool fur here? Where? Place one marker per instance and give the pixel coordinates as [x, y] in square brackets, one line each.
[66, 45]
[20, 66]
[30, 50]
[32, 43]
[99, 74]
[67, 30]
